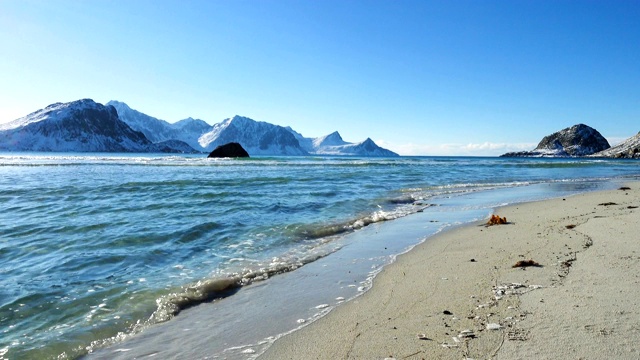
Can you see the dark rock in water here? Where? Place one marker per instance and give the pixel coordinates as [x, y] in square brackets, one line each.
[230, 150]
[578, 140]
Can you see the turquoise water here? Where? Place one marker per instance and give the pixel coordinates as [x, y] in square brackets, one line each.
[94, 247]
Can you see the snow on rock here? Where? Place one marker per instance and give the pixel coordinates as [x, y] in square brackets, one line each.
[256, 137]
[365, 148]
[628, 149]
[85, 125]
[156, 130]
[578, 140]
[78, 126]
[333, 139]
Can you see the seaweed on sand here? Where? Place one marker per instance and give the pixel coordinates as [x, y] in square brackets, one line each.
[526, 263]
[496, 220]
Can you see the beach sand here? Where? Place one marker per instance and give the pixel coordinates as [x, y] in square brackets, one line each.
[458, 296]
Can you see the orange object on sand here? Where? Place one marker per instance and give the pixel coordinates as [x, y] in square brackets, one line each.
[496, 220]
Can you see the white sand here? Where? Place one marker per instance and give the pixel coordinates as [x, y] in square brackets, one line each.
[583, 303]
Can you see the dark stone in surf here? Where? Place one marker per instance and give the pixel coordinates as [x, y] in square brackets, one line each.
[230, 150]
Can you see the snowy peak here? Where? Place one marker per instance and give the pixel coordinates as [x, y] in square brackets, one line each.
[192, 125]
[82, 125]
[368, 148]
[368, 144]
[54, 112]
[262, 138]
[333, 144]
[333, 139]
[257, 137]
[78, 126]
[85, 125]
[154, 129]
[159, 131]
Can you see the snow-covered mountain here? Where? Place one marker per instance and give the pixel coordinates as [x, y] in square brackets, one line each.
[333, 144]
[577, 140]
[365, 148]
[78, 126]
[332, 140]
[156, 130]
[87, 126]
[257, 137]
[628, 149]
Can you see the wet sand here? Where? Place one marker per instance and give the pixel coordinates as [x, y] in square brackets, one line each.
[458, 295]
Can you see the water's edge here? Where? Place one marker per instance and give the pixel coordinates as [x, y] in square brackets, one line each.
[246, 324]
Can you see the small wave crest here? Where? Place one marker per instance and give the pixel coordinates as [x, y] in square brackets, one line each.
[170, 305]
[402, 207]
[207, 290]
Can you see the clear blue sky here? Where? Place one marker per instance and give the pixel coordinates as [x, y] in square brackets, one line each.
[419, 77]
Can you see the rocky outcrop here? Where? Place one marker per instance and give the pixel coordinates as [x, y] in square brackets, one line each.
[628, 149]
[578, 140]
[230, 150]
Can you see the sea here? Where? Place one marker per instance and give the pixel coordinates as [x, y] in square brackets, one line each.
[107, 256]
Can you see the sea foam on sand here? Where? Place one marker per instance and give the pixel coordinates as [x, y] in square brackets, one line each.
[458, 295]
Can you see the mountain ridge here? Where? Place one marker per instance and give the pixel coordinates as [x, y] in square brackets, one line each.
[79, 126]
[87, 126]
[258, 137]
[157, 130]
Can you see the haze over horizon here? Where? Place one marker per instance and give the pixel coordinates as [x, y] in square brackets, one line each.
[417, 77]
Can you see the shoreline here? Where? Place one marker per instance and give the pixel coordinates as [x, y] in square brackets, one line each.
[457, 295]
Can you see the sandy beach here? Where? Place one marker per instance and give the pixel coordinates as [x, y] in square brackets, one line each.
[458, 295]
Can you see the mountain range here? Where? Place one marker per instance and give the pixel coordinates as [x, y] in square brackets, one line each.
[87, 126]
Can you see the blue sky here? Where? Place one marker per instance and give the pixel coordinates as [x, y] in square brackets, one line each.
[418, 77]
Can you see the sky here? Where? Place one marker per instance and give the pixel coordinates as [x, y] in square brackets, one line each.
[418, 77]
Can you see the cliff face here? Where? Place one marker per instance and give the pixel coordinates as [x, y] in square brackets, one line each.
[578, 140]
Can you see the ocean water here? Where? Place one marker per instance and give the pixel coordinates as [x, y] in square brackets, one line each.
[98, 250]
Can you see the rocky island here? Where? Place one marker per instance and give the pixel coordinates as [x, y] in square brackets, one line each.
[575, 141]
